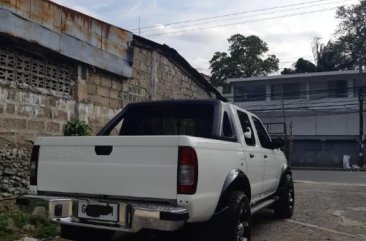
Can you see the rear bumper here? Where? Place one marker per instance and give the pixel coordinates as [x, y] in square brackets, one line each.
[132, 216]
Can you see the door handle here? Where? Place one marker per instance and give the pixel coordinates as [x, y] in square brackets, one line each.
[103, 150]
[251, 155]
[265, 156]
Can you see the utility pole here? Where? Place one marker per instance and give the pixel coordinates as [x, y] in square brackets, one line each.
[287, 139]
[361, 99]
[139, 25]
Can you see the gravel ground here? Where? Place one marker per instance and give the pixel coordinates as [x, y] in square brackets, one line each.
[322, 212]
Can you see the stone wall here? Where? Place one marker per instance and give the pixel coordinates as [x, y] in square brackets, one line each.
[36, 99]
[14, 167]
[26, 115]
[28, 111]
[163, 79]
[96, 95]
[100, 94]
[29, 114]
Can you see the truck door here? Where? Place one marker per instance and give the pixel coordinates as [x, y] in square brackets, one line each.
[272, 166]
[254, 155]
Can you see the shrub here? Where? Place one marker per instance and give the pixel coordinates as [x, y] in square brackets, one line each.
[77, 128]
[13, 225]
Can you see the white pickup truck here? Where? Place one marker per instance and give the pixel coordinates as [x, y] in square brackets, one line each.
[160, 166]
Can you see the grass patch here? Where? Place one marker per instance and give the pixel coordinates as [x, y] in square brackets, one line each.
[8, 230]
[19, 218]
[44, 228]
[15, 224]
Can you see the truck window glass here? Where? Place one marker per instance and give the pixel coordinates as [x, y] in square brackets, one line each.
[245, 124]
[264, 139]
[227, 129]
[115, 131]
[184, 119]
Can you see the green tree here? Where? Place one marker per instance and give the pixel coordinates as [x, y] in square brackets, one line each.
[301, 66]
[304, 66]
[333, 56]
[288, 71]
[352, 31]
[245, 59]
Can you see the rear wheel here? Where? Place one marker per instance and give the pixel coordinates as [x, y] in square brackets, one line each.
[84, 234]
[284, 207]
[235, 223]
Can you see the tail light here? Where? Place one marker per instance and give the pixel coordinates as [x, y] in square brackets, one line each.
[34, 165]
[187, 170]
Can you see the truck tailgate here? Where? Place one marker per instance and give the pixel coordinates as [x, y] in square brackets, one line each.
[144, 166]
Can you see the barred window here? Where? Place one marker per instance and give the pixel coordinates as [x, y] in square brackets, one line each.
[25, 69]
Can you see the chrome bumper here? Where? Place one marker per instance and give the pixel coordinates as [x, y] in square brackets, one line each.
[133, 216]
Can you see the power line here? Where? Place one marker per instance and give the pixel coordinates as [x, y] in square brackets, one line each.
[304, 57]
[296, 107]
[317, 91]
[291, 114]
[288, 62]
[277, 112]
[250, 21]
[302, 108]
[330, 108]
[293, 61]
[317, 102]
[156, 28]
[233, 14]
[324, 106]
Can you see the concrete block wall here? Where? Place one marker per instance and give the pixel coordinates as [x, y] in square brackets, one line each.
[27, 114]
[97, 96]
[174, 83]
[159, 78]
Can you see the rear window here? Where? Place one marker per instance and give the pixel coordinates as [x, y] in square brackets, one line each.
[183, 119]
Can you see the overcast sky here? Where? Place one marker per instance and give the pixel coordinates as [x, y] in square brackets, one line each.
[288, 37]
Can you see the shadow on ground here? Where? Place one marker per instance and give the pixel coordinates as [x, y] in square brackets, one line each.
[199, 232]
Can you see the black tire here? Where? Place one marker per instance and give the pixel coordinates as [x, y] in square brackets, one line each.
[234, 224]
[85, 234]
[285, 205]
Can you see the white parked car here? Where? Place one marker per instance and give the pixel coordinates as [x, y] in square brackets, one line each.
[159, 166]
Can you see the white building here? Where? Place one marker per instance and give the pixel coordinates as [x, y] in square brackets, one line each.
[320, 109]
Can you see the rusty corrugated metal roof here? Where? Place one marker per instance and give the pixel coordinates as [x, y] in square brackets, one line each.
[68, 32]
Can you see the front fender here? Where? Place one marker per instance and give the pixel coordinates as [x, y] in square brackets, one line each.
[285, 169]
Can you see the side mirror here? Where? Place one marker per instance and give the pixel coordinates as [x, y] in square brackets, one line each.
[248, 133]
[278, 143]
